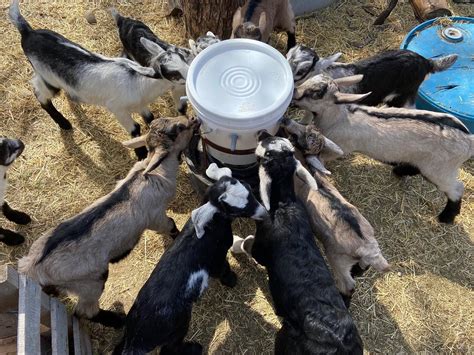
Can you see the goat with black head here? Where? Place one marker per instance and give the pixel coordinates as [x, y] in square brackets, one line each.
[10, 149]
[161, 313]
[315, 319]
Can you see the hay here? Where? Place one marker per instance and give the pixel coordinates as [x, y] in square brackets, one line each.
[424, 304]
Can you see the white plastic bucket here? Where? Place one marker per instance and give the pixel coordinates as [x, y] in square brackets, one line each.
[238, 87]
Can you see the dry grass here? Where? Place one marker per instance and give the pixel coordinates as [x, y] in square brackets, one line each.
[424, 304]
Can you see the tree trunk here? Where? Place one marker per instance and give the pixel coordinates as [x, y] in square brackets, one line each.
[428, 9]
[201, 16]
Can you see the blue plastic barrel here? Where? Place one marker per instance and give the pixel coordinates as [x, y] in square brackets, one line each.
[452, 90]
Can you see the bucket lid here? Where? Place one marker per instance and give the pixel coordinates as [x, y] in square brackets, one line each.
[240, 84]
[451, 90]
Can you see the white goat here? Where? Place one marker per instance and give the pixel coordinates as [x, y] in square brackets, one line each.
[74, 257]
[119, 84]
[416, 141]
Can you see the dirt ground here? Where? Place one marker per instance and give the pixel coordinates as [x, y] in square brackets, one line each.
[425, 304]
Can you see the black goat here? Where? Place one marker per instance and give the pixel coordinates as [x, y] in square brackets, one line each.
[161, 313]
[315, 319]
[393, 77]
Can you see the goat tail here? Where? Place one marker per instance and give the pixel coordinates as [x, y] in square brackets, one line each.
[17, 19]
[443, 63]
[116, 16]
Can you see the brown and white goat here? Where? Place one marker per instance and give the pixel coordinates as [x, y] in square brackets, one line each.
[74, 257]
[432, 144]
[256, 19]
[348, 238]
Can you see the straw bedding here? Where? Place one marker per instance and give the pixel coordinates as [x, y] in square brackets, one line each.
[423, 305]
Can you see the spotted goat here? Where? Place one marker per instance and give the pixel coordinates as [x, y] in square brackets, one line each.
[161, 314]
[74, 257]
[119, 84]
[256, 19]
[10, 149]
[414, 141]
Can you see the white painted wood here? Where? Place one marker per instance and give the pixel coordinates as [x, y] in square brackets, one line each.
[29, 310]
[59, 333]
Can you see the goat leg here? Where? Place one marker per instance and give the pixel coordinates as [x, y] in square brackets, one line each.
[386, 13]
[10, 238]
[15, 216]
[227, 277]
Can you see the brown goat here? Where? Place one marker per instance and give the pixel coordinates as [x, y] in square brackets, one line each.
[256, 19]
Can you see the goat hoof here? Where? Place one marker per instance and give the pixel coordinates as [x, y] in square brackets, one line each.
[446, 218]
[67, 126]
[109, 319]
[12, 239]
[21, 218]
[229, 279]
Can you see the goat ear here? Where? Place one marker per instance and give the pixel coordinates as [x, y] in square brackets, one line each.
[201, 216]
[262, 134]
[192, 45]
[349, 80]
[215, 173]
[316, 164]
[304, 175]
[298, 93]
[210, 34]
[151, 47]
[136, 142]
[236, 20]
[156, 159]
[343, 98]
[324, 63]
[265, 185]
[262, 21]
[331, 147]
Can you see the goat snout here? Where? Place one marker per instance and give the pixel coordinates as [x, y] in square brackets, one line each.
[260, 213]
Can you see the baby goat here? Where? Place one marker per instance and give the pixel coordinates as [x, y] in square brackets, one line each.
[203, 42]
[269, 14]
[348, 238]
[131, 32]
[74, 257]
[415, 141]
[119, 84]
[10, 149]
[161, 313]
[402, 71]
[315, 319]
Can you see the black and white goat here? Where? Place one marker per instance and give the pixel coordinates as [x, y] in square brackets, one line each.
[119, 84]
[315, 319]
[74, 257]
[415, 141]
[256, 19]
[393, 77]
[161, 313]
[202, 42]
[348, 238]
[10, 149]
[132, 31]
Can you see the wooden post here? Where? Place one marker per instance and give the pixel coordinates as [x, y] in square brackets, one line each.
[201, 16]
[29, 312]
[59, 329]
[429, 9]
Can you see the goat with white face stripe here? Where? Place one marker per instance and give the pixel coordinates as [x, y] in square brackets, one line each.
[119, 84]
[432, 144]
[161, 314]
[10, 149]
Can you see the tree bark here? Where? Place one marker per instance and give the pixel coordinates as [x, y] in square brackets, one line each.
[201, 16]
[428, 9]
